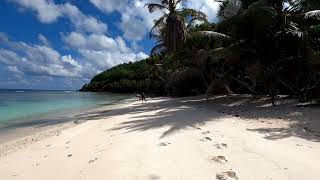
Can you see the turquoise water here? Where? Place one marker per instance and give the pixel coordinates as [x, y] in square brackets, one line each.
[18, 105]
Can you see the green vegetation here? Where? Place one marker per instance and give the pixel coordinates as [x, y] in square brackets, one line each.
[125, 78]
[256, 47]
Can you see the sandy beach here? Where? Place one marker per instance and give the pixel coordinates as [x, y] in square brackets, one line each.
[226, 137]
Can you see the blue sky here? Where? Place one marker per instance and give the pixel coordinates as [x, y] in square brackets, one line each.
[62, 44]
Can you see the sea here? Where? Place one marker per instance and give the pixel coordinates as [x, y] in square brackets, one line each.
[20, 108]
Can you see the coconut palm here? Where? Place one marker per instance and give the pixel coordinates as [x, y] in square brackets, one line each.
[228, 8]
[273, 45]
[303, 5]
[170, 30]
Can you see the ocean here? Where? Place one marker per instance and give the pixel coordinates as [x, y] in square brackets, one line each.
[20, 106]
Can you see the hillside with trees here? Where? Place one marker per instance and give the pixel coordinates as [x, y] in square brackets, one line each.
[257, 46]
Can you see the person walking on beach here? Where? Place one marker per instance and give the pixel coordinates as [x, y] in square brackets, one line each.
[143, 98]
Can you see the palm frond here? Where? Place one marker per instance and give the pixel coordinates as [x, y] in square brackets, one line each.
[195, 21]
[313, 15]
[177, 2]
[158, 25]
[303, 5]
[158, 49]
[295, 33]
[192, 16]
[229, 8]
[213, 34]
[154, 6]
[185, 13]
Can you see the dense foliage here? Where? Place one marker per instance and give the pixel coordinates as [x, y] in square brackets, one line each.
[125, 78]
[257, 46]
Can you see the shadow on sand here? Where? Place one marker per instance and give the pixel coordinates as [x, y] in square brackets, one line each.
[182, 113]
[192, 112]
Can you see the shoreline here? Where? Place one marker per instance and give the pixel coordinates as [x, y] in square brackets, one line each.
[181, 138]
[21, 134]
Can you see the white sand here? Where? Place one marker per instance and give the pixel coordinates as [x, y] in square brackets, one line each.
[185, 138]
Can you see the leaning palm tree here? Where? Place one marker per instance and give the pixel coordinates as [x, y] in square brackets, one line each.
[170, 30]
[281, 38]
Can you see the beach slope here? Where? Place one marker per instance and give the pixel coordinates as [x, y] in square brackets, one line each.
[236, 137]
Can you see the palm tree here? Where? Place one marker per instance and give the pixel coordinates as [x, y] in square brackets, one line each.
[228, 8]
[170, 30]
[303, 5]
[281, 38]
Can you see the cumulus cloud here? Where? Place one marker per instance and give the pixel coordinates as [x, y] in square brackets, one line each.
[101, 50]
[48, 12]
[92, 42]
[34, 59]
[81, 21]
[96, 53]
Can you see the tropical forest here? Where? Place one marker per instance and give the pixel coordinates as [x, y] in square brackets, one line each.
[259, 47]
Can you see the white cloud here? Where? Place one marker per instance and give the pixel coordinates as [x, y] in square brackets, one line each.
[33, 59]
[48, 12]
[43, 40]
[140, 56]
[102, 51]
[122, 46]
[97, 53]
[93, 42]
[109, 5]
[107, 59]
[81, 21]
[209, 7]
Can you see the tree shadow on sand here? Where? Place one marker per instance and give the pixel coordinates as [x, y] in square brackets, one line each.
[179, 114]
[174, 115]
[304, 121]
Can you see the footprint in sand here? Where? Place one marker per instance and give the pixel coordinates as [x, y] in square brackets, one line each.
[221, 145]
[219, 159]
[227, 175]
[35, 165]
[93, 160]
[303, 146]
[164, 144]
[206, 139]
[206, 132]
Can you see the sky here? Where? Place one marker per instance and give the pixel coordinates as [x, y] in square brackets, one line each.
[62, 44]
